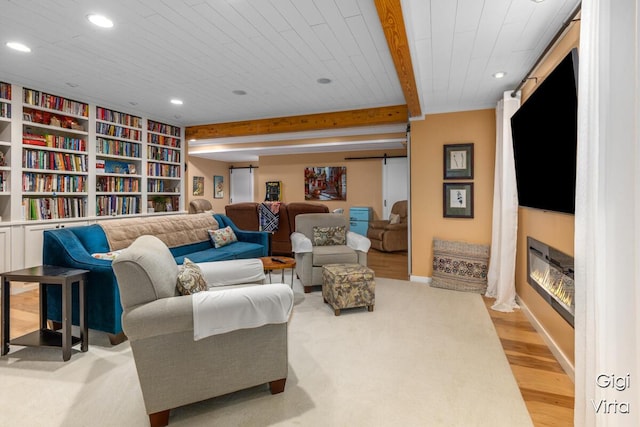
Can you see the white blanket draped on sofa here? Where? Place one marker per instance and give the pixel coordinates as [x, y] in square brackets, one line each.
[222, 311]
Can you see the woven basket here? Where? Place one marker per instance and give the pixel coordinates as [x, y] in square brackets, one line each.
[460, 266]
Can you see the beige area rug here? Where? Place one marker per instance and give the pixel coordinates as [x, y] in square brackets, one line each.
[423, 357]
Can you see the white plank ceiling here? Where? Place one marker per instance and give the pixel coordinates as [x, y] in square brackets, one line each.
[200, 51]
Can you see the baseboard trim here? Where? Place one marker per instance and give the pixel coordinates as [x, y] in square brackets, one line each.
[562, 358]
[420, 279]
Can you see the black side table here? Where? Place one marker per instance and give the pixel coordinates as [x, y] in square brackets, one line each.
[47, 275]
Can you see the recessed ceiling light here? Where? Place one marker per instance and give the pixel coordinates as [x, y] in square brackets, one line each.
[71, 84]
[176, 101]
[537, 1]
[499, 74]
[134, 103]
[324, 81]
[100, 20]
[18, 46]
[192, 140]
[239, 92]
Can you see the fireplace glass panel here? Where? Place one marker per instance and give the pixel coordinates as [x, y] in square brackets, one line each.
[551, 275]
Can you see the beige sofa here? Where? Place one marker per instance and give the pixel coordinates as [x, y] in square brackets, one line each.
[174, 369]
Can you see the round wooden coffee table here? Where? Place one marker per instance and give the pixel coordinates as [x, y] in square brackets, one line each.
[270, 263]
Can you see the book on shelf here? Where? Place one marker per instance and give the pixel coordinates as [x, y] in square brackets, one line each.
[32, 139]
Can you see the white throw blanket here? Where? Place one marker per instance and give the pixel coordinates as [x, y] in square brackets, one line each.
[222, 311]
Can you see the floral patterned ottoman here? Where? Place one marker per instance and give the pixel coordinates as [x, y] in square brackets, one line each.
[348, 286]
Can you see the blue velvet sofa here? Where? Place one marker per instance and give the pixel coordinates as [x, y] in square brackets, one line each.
[74, 246]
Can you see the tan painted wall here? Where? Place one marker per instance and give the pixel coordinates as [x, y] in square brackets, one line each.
[554, 229]
[207, 169]
[364, 177]
[557, 230]
[428, 138]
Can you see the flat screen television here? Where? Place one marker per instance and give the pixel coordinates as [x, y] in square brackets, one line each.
[544, 132]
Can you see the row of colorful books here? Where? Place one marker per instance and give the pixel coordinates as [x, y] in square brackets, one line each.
[118, 184]
[117, 148]
[153, 138]
[164, 154]
[118, 117]
[117, 205]
[55, 141]
[54, 161]
[163, 170]
[160, 186]
[5, 91]
[53, 102]
[5, 110]
[39, 208]
[39, 182]
[118, 131]
[158, 127]
[4, 181]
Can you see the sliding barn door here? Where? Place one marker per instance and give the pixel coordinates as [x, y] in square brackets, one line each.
[241, 185]
[395, 183]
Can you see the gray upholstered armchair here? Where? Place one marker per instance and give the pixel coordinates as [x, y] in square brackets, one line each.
[324, 238]
[174, 366]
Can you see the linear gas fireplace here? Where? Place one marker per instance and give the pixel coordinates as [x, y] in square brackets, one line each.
[550, 273]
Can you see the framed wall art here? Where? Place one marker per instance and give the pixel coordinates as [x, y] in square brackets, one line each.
[458, 161]
[198, 185]
[218, 187]
[457, 200]
[325, 183]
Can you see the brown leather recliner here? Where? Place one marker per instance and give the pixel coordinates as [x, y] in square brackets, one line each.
[390, 235]
[247, 217]
[244, 215]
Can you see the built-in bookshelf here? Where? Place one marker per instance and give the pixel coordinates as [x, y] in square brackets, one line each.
[5, 151]
[118, 163]
[63, 160]
[54, 156]
[164, 155]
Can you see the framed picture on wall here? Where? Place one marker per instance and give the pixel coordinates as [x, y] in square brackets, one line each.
[198, 185]
[325, 183]
[458, 161]
[457, 200]
[218, 187]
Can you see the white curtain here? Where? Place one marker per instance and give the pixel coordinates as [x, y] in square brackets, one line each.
[504, 234]
[607, 221]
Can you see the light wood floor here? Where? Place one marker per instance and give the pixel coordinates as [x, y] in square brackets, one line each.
[547, 391]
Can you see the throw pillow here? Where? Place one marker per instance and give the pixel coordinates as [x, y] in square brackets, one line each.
[222, 237]
[329, 236]
[394, 219]
[190, 278]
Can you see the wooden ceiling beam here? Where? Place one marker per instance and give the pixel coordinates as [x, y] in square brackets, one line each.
[390, 15]
[309, 122]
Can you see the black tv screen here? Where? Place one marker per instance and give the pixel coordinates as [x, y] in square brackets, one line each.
[544, 132]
